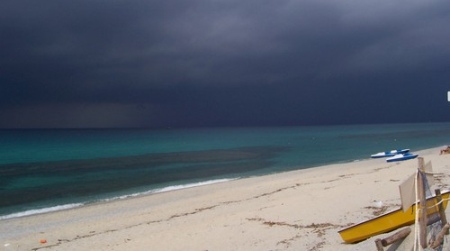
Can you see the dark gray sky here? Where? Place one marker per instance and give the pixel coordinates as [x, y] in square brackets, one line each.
[136, 63]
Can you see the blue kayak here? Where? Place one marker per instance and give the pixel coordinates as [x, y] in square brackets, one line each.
[402, 156]
[389, 153]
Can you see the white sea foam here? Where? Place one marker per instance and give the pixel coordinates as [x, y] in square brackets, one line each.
[170, 188]
[41, 211]
[73, 205]
[178, 187]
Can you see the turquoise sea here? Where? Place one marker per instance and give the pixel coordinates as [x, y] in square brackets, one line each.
[47, 170]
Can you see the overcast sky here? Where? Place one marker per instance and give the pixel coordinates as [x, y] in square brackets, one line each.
[192, 63]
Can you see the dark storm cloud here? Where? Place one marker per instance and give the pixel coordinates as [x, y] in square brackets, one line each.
[206, 63]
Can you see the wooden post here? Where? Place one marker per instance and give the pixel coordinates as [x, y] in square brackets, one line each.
[441, 209]
[395, 237]
[379, 245]
[423, 210]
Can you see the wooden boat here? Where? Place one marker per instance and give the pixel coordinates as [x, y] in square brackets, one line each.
[389, 153]
[389, 221]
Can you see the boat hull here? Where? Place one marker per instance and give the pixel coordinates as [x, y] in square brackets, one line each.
[401, 157]
[388, 221]
[388, 153]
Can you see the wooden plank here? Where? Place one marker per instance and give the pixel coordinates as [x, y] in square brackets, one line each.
[440, 237]
[441, 208]
[422, 210]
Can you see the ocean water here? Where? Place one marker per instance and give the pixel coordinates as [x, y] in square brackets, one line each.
[48, 170]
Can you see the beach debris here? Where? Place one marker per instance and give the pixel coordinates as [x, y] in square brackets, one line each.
[400, 235]
[434, 226]
[445, 150]
[42, 241]
[419, 207]
[377, 203]
[439, 239]
[6, 244]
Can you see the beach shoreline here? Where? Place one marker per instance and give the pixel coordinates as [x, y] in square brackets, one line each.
[295, 210]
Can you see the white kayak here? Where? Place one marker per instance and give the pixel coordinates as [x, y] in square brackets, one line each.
[402, 156]
[389, 153]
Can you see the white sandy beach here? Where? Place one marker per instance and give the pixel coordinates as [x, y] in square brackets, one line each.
[299, 210]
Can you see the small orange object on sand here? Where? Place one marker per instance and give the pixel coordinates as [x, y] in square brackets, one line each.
[43, 241]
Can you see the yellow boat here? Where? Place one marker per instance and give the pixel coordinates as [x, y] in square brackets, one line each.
[388, 221]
